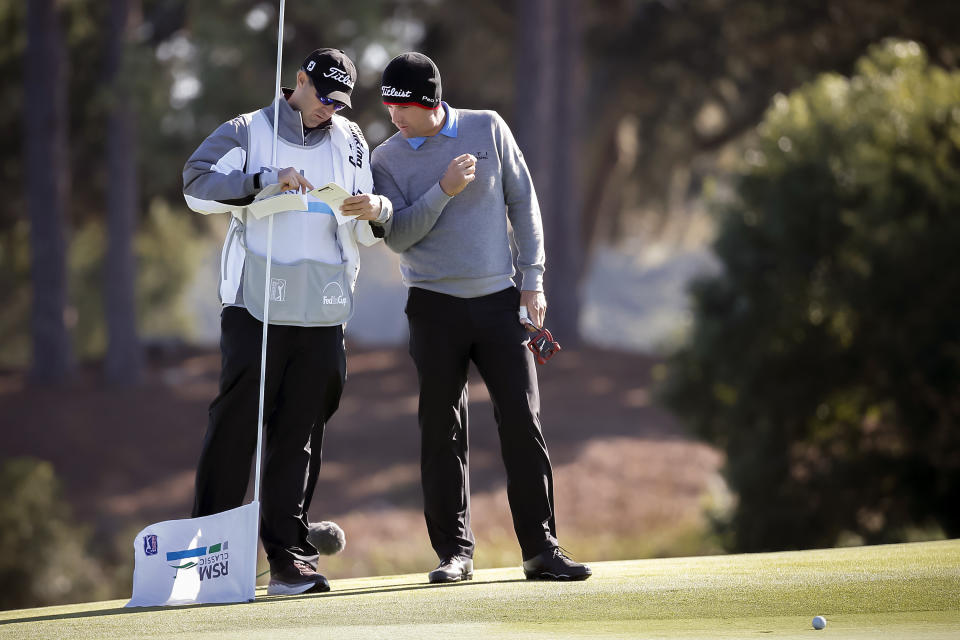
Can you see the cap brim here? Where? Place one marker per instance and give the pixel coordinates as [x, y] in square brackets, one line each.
[340, 96]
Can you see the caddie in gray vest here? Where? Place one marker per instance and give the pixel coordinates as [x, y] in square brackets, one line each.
[456, 177]
[314, 271]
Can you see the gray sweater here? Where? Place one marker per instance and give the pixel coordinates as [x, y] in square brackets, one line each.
[460, 245]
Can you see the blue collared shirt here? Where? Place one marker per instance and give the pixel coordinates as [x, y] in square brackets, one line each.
[449, 127]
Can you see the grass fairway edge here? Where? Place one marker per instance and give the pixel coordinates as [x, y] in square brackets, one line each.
[908, 590]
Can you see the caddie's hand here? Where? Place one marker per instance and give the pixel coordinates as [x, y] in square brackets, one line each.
[365, 206]
[460, 172]
[536, 305]
[290, 179]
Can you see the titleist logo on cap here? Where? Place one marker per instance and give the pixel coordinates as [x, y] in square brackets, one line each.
[340, 76]
[390, 92]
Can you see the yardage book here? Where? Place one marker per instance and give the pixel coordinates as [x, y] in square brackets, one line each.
[334, 195]
[271, 200]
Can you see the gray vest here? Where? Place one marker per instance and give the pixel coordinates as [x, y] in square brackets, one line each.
[303, 292]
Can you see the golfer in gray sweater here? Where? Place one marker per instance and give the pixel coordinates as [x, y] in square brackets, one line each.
[455, 177]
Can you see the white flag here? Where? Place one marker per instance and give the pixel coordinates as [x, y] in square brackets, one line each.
[208, 559]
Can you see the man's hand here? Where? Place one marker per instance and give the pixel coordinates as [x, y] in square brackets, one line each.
[536, 305]
[460, 172]
[365, 206]
[290, 179]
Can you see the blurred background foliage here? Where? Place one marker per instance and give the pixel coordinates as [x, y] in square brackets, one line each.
[36, 525]
[825, 359]
[665, 88]
[819, 136]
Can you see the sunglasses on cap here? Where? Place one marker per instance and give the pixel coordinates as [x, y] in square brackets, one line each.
[324, 100]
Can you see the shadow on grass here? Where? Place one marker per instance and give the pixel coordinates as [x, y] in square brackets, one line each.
[400, 587]
[272, 599]
[120, 611]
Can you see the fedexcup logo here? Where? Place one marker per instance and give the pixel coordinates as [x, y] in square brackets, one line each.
[340, 76]
[390, 92]
[211, 562]
[336, 298]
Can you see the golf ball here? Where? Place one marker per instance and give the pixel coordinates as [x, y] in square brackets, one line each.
[819, 622]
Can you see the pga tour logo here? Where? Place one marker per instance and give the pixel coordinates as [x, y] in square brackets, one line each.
[150, 545]
[336, 294]
[278, 290]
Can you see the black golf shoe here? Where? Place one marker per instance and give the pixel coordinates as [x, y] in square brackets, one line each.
[554, 564]
[452, 569]
[296, 578]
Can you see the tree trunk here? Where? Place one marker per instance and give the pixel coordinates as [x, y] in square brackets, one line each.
[124, 358]
[48, 188]
[548, 116]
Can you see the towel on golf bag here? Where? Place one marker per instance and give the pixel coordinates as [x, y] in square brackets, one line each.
[208, 559]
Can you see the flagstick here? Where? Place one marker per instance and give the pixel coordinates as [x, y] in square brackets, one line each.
[266, 284]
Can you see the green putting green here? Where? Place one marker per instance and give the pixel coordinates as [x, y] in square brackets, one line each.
[909, 591]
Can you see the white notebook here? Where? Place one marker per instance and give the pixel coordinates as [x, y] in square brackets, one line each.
[271, 200]
[334, 195]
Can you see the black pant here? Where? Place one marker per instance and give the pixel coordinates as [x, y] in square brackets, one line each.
[446, 333]
[305, 372]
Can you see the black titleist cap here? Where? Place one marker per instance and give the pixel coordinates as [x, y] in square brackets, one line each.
[411, 78]
[332, 73]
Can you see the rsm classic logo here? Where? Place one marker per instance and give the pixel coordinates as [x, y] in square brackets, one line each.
[211, 562]
[333, 294]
